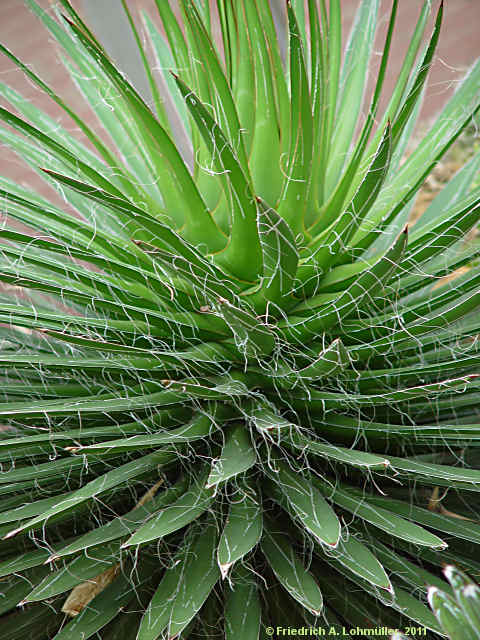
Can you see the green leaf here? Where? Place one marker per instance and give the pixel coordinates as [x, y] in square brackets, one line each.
[157, 615]
[237, 456]
[41, 470]
[176, 392]
[280, 256]
[335, 230]
[432, 473]
[456, 527]
[410, 573]
[199, 225]
[252, 337]
[121, 526]
[308, 504]
[351, 457]
[184, 587]
[357, 558]
[385, 520]
[23, 562]
[77, 571]
[118, 173]
[330, 361]
[195, 501]
[100, 485]
[36, 622]
[334, 58]
[467, 595]
[221, 95]
[297, 172]
[402, 84]
[455, 190]
[440, 234]
[242, 607]
[166, 63]
[242, 531]
[160, 420]
[352, 86]
[143, 228]
[58, 151]
[262, 78]
[29, 509]
[330, 308]
[108, 604]
[15, 592]
[407, 180]
[450, 616]
[290, 571]
[201, 574]
[406, 338]
[246, 265]
[415, 92]
[159, 106]
[413, 608]
[199, 427]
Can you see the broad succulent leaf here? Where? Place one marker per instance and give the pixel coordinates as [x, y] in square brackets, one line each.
[238, 390]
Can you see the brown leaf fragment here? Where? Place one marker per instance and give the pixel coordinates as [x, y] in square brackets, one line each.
[84, 593]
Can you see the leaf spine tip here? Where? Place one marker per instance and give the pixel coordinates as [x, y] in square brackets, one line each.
[10, 534]
[448, 571]
[224, 569]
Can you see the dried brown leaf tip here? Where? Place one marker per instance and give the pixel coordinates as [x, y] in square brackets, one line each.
[85, 592]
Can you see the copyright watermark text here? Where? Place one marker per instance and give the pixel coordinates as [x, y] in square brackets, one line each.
[333, 631]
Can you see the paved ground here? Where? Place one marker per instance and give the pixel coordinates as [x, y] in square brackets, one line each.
[24, 35]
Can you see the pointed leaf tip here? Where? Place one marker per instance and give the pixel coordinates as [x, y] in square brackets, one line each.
[224, 568]
[67, 19]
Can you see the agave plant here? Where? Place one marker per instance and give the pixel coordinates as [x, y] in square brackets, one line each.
[238, 393]
[457, 607]
[458, 611]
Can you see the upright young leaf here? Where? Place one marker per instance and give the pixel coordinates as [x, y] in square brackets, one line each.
[243, 230]
[296, 185]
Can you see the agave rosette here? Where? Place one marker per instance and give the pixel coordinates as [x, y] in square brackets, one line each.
[243, 329]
